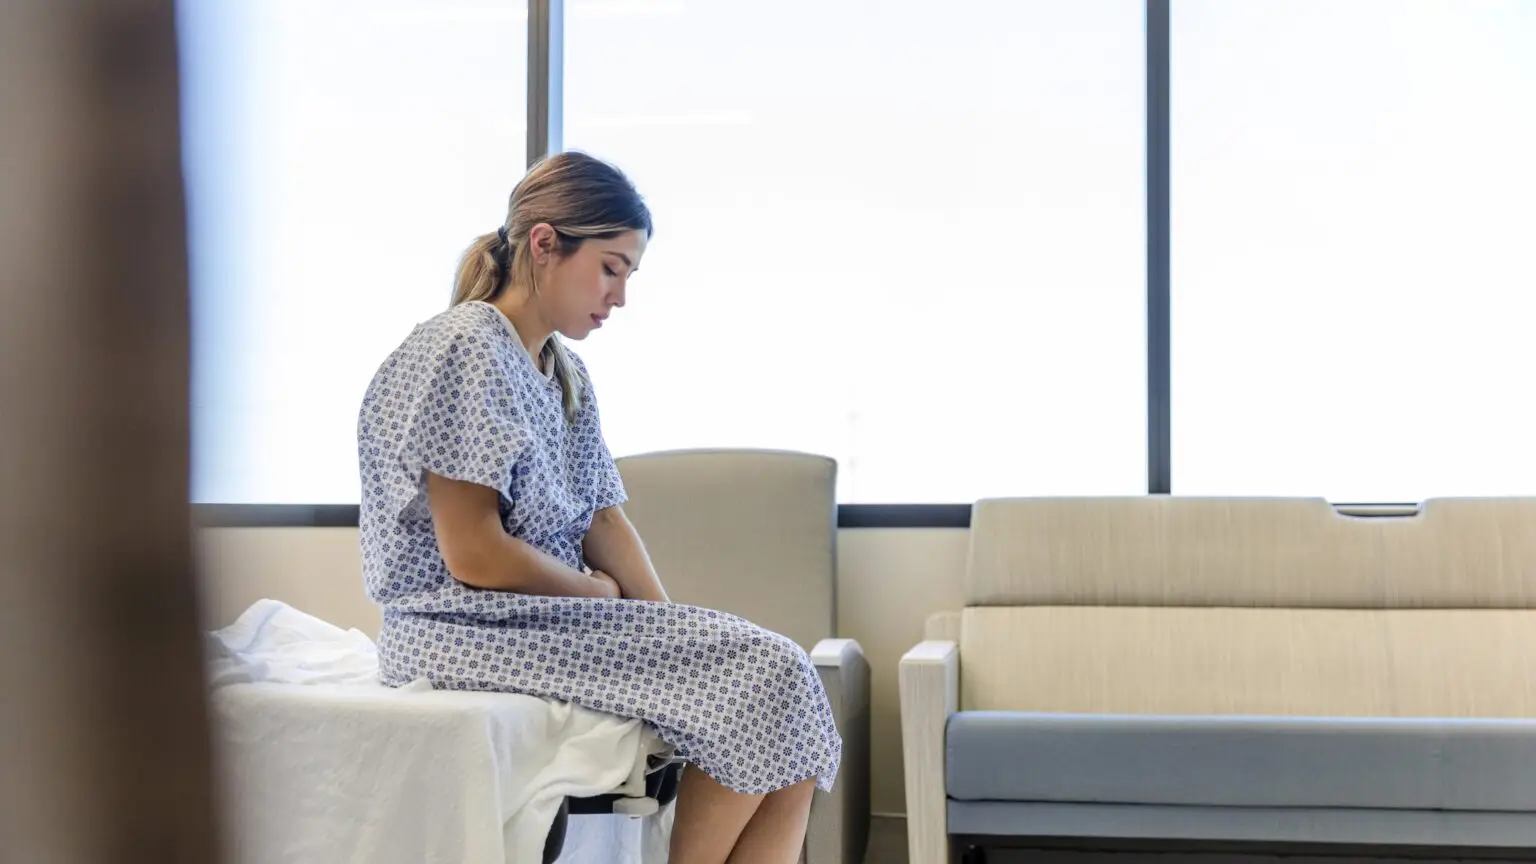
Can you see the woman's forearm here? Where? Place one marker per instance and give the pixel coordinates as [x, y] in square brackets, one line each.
[613, 546]
[506, 563]
[481, 554]
[529, 570]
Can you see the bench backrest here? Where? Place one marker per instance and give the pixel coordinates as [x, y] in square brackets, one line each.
[1251, 606]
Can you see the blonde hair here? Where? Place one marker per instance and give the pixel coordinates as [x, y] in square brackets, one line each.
[582, 198]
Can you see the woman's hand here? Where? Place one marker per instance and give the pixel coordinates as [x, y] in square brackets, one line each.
[613, 546]
[481, 554]
[608, 586]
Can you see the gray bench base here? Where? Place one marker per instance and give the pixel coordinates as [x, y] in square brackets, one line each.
[1414, 764]
[1513, 831]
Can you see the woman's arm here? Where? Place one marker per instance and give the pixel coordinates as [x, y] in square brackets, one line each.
[481, 554]
[613, 546]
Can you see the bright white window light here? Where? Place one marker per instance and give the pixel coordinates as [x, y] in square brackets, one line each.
[910, 236]
[340, 154]
[1354, 248]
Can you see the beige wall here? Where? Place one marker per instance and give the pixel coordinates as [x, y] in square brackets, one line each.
[889, 580]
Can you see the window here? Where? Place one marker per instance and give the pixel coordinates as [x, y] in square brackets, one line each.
[911, 237]
[905, 235]
[1353, 261]
[340, 154]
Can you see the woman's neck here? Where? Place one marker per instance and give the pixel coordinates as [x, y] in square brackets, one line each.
[526, 320]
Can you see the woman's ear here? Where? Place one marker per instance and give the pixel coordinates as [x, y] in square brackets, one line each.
[541, 243]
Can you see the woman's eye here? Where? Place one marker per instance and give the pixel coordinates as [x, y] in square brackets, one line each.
[609, 270]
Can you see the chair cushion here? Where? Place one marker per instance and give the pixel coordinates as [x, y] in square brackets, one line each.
[1391, 763]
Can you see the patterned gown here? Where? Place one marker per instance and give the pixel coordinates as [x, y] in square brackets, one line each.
[461, 398]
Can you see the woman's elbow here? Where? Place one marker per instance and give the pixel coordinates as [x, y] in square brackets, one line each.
[607, 518]
[467, 561]
[467, 525]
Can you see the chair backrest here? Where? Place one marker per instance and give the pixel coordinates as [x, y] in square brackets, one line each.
[1251, 606]
[750, 532]
[315, 570]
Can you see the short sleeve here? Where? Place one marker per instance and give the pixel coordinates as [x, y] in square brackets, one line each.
[609, 486]
[466, 424]
[602, 474]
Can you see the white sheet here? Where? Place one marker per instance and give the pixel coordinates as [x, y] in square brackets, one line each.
[320, 763]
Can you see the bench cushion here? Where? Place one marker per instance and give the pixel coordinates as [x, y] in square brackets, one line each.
[1392, 763]
[1253, 662]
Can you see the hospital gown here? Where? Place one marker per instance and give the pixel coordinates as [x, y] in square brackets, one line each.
[462, 398]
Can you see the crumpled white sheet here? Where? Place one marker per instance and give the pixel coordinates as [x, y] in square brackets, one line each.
[321, 763]
[276, 643]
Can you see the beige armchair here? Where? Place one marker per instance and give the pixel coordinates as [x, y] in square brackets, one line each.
[754, 533]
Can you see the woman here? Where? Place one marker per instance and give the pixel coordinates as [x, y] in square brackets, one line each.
[493, 536]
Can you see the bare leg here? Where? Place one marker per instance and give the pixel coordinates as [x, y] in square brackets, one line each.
[776, 831]
[707, 820]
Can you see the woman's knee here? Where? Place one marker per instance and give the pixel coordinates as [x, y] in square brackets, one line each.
[777, 650]
[790, 667]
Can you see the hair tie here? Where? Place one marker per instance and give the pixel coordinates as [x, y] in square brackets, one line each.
[501, 253]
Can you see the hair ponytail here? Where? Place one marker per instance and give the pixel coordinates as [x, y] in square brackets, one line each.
[480, 275]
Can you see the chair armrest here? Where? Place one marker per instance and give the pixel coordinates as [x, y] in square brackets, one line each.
[836, 652]
[929, 680]
[838, 831]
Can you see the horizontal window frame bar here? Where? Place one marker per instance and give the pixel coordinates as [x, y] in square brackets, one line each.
[346, 515]
[848, 515]
[275, 515]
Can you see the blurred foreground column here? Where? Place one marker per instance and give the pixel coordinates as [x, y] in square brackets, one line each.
[104, 753]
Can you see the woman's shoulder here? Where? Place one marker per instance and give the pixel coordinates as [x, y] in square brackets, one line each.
[479, 320]
[446, 335]
[465, 339]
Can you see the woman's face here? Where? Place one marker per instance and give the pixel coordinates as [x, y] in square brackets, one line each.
[579, 291]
